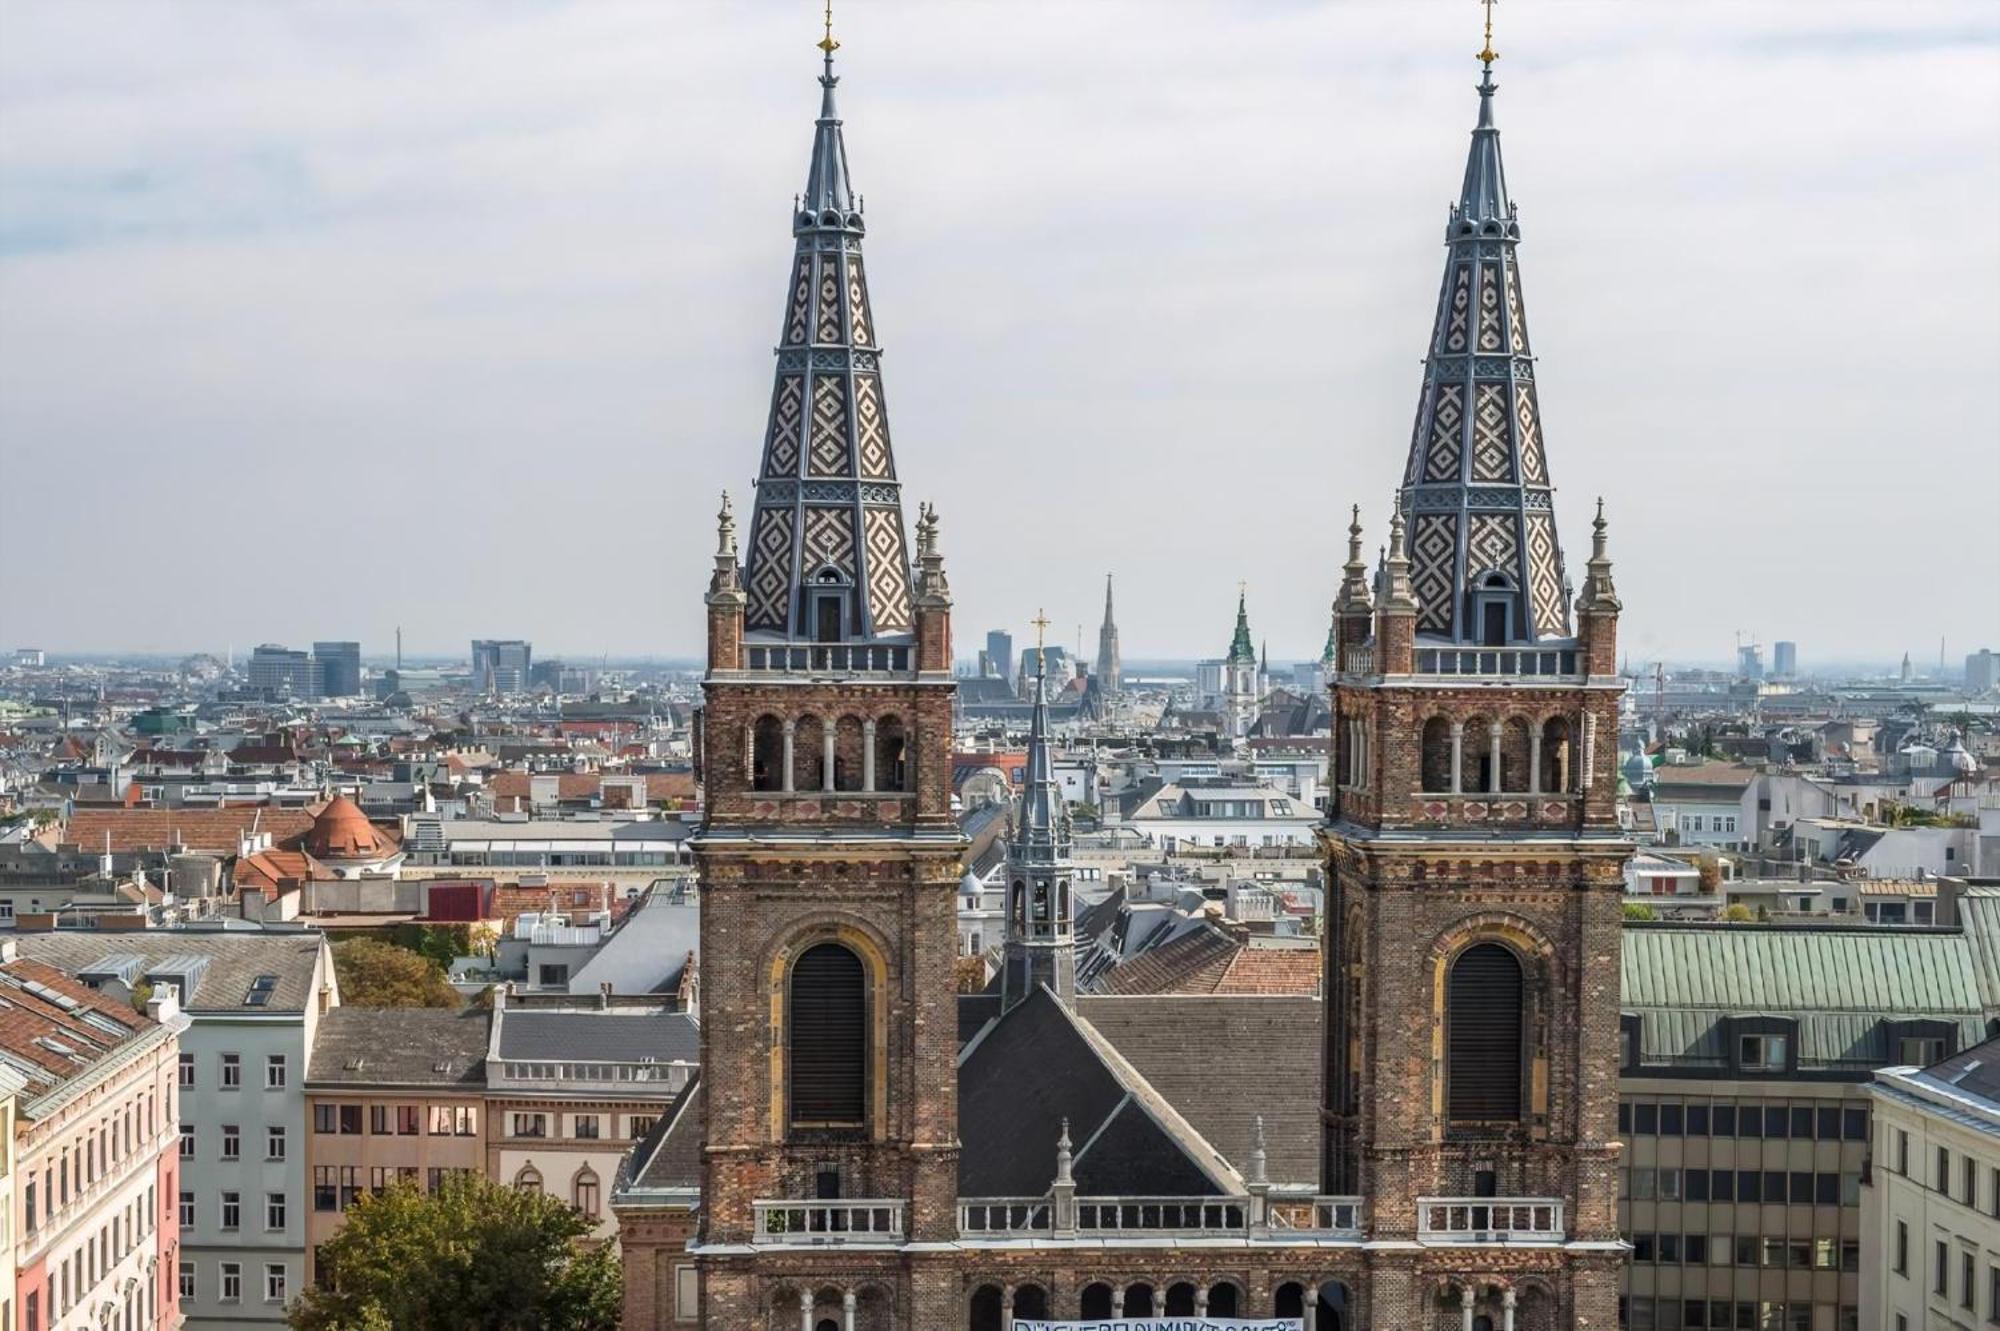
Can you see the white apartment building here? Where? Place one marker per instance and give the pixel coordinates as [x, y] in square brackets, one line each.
[254, 1000]
[1220, 812]
[1930, 1214]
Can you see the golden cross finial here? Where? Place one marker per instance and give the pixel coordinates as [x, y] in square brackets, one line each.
[827, 43]
[1487, 53]
[1041, 623]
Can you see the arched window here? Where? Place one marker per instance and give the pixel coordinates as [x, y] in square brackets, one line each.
[892, 756]
[808, 754]
[1031, 1301]
[1224, 1300]
[1290, 1300]
[1517, 737]
[1555, 755]
[1437, 754]
[984, 1313]
[847, 754]
[767, 754]
[528, 1179]
[1096, 1301]
[1476, 755]
[1139, 1300]
[1180, 1300]
[1483, 1037]
[584, 1193]
[828, 1045]
[1343, 761]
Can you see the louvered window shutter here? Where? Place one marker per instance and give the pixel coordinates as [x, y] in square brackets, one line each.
[1483, 1030]
[829, 1038]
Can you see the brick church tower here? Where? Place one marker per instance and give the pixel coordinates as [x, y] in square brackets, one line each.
[1474, 857]
[829, 854]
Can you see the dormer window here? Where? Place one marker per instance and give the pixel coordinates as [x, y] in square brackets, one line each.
[826, 604]
[1762, 1053]
[1493, 601]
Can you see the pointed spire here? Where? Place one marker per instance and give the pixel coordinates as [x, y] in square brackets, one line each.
[1353, 593]
[1599, 594]
[1107, 602]
[1484, 193]
[1043, 831]
[726, 581]
[1397, 593]
[1260, 1174]
[1241, 650]
[826, 183]
[1064, 1162]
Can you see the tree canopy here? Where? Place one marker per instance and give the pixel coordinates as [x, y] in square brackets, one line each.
[377, 974]
[473, 1256]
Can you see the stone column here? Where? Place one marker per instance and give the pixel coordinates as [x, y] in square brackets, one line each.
[1201, 1300]
[1506, 1310]
[1457, 754]
[868, 754]
[1534, 762]
[1465, 1305]
[1117, 1300]
[828, 732]
[791, 730]
[1310, 1303]
[1006, 1308]
[1493, 759]
[805, 1295]
[847, 1311]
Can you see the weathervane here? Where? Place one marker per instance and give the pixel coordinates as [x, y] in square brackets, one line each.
[829, 45]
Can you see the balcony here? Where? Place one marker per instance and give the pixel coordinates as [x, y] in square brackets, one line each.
[1178, 1216]
[1002, 1216]
[1340, 1217]
[814, 1223]
[1496, 661]
[1489, 1220]
[836, 658]
[1141, 1219]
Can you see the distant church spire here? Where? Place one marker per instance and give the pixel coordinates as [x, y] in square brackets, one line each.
[1241, 650]
[828, 559]
[1109, 668]
[1485, 564]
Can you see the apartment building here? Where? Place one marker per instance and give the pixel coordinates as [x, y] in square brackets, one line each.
[1930, 1231]
[254, 1002]
[95, 1234]
[393, 1095]
[1746, 1106]
[572, 1083]
[12, 1083]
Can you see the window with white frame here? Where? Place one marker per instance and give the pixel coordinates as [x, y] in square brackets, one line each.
[274, 1072]
[232, 1282]
[232, 1071]
[187, 1280]
[274, 1282]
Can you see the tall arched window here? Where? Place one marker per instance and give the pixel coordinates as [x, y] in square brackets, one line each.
[1437, 755]
[1483, 1036]
[828, 1044]
[767, 754]
[984, 1313]
[584, 1193]
[1555, 755]
[1476, 756]
[1096, 1300]
[808, 755]
[529, 1179]
[1517, 737]
[847, 754]
[1031, 1301]
[892, 757]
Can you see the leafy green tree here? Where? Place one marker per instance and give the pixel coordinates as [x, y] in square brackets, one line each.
[1737, 913]
[377, 974]
[1639, 910]
[474, 1256]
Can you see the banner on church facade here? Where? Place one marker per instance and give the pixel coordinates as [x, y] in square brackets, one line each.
[1164, 1324]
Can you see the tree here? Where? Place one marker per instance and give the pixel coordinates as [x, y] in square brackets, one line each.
[1639, 910]
[1709, 869]
[377, 974]
[1737, 913]
[473, 1256]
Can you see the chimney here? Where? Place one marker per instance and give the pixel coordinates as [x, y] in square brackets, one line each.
[164, 1005]
[604, 995]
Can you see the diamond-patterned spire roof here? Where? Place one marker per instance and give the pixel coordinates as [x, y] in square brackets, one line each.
[1485, 563]
[828, 523]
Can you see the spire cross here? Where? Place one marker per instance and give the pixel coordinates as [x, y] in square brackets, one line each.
[829, 45]
[1487, 55]
[1041, 623]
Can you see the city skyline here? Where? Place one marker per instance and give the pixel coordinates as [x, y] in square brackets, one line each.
[265, 254]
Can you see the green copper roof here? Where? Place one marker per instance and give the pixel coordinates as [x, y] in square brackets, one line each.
[1241, 652]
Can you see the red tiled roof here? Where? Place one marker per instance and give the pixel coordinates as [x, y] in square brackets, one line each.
[29, 1019]
[213, 830]
[343, 832]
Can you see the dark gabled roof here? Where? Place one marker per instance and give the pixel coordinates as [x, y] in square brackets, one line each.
[1040, 1065]
[1220, 1060]
[1972, 1072]
[435, 1047]
[226, 964]
[669, 1155]
[613, 1035]
[975, 1010]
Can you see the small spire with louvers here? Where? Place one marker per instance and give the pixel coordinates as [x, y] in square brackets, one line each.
[1486, 565]
[1043, 833]
[828, 559]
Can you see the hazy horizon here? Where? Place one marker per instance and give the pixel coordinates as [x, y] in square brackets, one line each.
[316, 321]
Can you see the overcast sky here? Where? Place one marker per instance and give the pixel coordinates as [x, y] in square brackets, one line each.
[317, 319]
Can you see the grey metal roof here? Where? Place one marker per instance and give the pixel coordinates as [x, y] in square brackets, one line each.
[233, 962]
[434, 1047]
[612, 1035]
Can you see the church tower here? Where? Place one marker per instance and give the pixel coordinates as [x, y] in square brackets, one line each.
[1240, 675]
[1109, 671]
[828, 856]
[1474, 859]
[1040, 938]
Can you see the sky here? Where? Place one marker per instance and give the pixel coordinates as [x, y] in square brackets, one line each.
[318, 319]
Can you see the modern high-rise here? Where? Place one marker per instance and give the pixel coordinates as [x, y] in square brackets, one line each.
[1785, 660]
[501, 665]
[1474, 858]
[281, 672]
[1982, 671]
[1000, 652]
[340, 668]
